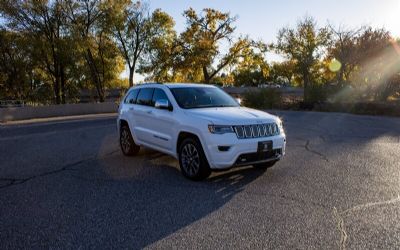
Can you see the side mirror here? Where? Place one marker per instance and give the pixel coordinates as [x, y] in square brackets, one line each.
[163, 104]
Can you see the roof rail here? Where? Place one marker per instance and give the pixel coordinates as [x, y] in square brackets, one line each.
[145, 83]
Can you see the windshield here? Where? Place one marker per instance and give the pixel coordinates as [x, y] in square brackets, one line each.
[202, 97]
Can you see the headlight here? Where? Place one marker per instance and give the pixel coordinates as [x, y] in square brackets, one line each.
[220, 129]
[280, 124]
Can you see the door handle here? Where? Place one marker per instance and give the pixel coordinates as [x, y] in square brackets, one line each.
[149, 112]
[131, 108]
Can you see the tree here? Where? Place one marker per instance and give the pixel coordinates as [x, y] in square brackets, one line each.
[378, 61]
[44, 23]
[87, 18]
[132, 32]
[14, 66]
[162, 50]
[343, 52]
[107, 57]
[199, 43]
[282, 72]
[304, 46]
[251, 68]
[136, 30]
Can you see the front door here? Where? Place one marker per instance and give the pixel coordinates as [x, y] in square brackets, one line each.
[161, 122]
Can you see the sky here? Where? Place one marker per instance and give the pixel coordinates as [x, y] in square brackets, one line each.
[262, 19]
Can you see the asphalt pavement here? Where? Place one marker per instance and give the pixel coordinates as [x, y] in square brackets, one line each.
[67, 185]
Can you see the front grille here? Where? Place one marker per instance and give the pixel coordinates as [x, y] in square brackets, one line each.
[256, 130]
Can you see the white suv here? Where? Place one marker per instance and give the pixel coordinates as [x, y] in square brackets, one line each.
[201, 126]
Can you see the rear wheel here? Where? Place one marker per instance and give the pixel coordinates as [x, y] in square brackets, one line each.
[192, 160]
[265, 165]
[128, 145]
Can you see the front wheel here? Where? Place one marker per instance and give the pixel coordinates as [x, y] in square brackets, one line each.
[192, 160]
[128, 145]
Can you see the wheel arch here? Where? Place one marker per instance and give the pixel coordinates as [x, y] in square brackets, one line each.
[204, 169]
[122, 122]
[182, 135]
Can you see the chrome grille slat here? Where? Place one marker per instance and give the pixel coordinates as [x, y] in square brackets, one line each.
[256, 130]
[259, 134]
[239, 131]
[265, 133]
[247, 131]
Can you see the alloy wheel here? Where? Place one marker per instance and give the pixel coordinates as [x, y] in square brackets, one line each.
[190, 159]
[125, 141]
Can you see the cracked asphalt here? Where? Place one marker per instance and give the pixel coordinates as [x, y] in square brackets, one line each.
[67, 185]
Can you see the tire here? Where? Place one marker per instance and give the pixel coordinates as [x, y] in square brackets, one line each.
[265, 165]
[192, 160]
[128, 145]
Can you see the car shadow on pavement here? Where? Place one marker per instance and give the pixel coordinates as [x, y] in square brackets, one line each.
[146, 199]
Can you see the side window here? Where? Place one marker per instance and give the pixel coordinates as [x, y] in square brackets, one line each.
[145, 96]
[131, 97]
[158, 95]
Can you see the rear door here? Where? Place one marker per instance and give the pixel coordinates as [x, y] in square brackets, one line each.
[129, 108]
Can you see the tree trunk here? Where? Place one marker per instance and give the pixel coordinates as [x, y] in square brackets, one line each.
[341, 76]
[95, 75]
[56, 83]
[306, 79]
[131, 73]
[62, 77]
[56, 75]
[206, 75]
[57, 89]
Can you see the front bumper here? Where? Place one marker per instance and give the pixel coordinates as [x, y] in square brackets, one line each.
[241, 151]
[257, 158]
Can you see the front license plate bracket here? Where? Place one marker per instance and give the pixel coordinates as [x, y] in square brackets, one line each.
[264, 146]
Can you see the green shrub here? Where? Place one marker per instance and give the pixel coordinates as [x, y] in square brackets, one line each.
[343, 94]
[316, 94]
[262, 99]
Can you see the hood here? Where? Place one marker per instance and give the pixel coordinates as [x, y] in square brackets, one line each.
[232, 115]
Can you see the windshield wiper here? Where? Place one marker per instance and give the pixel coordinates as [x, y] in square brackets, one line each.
[223, 106]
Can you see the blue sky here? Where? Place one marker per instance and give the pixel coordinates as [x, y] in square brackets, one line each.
[263, 18]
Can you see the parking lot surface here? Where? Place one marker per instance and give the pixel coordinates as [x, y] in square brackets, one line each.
[67, 185]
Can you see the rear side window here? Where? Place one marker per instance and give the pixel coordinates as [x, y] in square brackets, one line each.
[145, 96]
[159, 94]
[131, 97]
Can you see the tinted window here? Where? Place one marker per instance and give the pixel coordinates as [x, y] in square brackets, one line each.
[131, 97]
[159, 94]
[145, 96]
[202, 97]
